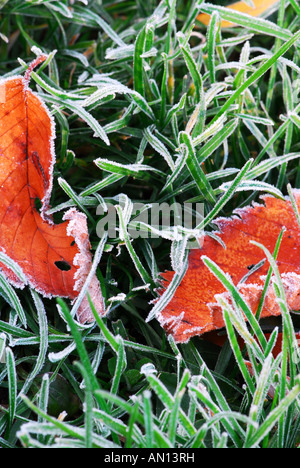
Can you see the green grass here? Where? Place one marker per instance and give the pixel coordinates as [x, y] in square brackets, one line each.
[151, 107]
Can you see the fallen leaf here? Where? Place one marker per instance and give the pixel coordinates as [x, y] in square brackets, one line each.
[55, 258]
[260, 7]
[193, 309]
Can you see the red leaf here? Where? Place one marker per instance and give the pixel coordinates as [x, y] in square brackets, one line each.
[193, 310]
[56, 259]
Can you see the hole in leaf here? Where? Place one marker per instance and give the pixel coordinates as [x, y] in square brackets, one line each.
[63, 265]
[37, 204]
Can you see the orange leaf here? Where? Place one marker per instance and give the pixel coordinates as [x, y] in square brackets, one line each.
[260, 7]
[193, 310]
[56, 259]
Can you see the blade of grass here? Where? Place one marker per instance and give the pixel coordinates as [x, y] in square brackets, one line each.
[257, 24]
[226, 197]
[12, 386]
[273, 417]
[256, 75]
